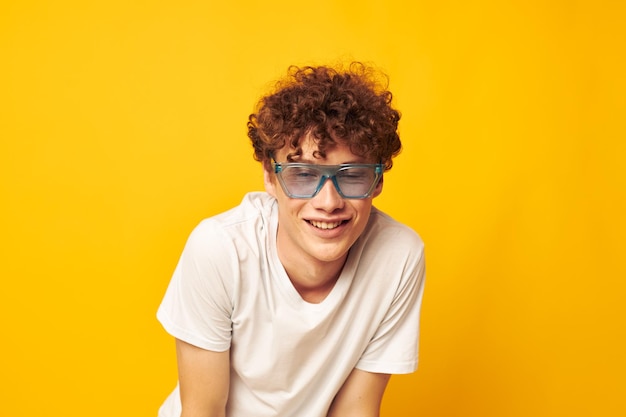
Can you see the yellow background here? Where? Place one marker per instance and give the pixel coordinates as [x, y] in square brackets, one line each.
[122, 124]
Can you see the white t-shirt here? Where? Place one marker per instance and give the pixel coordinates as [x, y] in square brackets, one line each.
[290, 357]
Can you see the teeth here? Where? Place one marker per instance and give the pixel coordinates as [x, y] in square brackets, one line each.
[324, 225]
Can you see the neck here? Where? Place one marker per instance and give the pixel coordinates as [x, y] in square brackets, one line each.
[313, 279]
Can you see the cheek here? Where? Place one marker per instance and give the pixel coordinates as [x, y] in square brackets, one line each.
[289, 209]
[378, 189]
[270, 184]
[363, 208]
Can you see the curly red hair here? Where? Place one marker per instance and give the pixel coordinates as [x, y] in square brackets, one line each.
[349, 106]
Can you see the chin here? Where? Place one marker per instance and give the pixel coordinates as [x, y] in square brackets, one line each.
[330, 255]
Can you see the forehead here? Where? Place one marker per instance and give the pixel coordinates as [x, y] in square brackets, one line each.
[334, 153]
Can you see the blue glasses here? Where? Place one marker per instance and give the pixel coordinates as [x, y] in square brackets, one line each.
[300, 180]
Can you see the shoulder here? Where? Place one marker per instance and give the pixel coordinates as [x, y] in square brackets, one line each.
[252, 206]
[391, 249]
[383, 232]
[245, 222]
[255, 207]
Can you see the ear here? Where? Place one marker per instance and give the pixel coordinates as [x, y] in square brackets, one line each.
[379, 187]
[269, 179]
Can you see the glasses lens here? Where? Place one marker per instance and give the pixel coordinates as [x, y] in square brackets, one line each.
[303, 180]
[355, 181]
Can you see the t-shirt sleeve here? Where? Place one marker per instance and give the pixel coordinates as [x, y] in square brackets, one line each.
[394, 347]
[197, 305]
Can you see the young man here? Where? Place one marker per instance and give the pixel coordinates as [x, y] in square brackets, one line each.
[301, 301]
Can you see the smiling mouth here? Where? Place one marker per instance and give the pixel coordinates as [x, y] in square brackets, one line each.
[326, 225]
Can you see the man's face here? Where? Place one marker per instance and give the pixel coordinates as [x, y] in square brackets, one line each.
[321, 229]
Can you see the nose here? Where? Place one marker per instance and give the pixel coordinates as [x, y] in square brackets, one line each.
[328, 198]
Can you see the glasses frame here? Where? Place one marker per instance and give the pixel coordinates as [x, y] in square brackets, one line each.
[328, 172]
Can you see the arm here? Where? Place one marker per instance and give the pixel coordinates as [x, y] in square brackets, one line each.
[360, 396]
[204, 378]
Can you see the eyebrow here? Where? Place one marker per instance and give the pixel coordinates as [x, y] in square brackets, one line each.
[314, 162]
